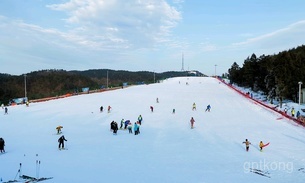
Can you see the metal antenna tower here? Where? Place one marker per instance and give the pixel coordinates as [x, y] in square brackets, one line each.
[182, 69]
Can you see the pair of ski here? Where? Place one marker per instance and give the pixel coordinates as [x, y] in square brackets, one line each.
[260, 172]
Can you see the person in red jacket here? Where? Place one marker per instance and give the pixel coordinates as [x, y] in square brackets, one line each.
[192, 122]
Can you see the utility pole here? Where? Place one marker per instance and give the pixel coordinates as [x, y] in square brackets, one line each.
[107, 80]
[300, 88]
[215, 70]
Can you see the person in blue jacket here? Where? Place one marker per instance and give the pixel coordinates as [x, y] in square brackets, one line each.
[136, 128]
[126, 124]
[208, 108]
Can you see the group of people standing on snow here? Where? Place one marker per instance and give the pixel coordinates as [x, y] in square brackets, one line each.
[127, 125]
[192, 121]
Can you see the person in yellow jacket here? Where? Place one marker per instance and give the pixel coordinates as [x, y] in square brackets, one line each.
[247, 144]
[194, 107]
[261, 145]
[292, 112]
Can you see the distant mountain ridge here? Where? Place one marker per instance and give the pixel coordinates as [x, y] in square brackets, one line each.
[53, 82]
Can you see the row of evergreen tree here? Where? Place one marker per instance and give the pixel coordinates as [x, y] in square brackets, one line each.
[276, 75]
[50, 83]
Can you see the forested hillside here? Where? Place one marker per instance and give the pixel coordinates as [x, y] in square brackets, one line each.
[276, 75]
[50, 83]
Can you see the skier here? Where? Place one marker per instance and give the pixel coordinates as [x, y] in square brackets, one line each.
[59, 129]
[157, 100]
[101, 109]
[194, 106]
[129, 127]
[2, 144]
[109, 108]
[140, 119]
[61, 142]
[247, 144]
[208, 108]
[151, 108]
[174, 110]
[192, 122]
[27, 103]
[5, 110]
[2, 106]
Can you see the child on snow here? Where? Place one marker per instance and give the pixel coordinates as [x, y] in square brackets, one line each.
[261, 145]
[247, 144]
[140, 119]
[194, 107]
[59, 129]
[129, 126]
[208, 108]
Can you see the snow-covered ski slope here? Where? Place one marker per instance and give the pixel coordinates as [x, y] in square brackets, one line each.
[166, 150]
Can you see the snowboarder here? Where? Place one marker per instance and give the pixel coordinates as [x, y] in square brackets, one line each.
[261, 145]
[59, 129]
[151, 108]
[247, 144]
[61, 142]
[2, 144]
[208, 108]
[129, 127]
[5, 110]
[140, 119]
[194, 107]
[109, 108]
[192, 122]
[101, 109]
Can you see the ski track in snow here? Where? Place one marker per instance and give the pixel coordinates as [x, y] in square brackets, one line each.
[166, 150]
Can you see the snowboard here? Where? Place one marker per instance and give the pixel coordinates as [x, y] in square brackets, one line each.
[266, 144]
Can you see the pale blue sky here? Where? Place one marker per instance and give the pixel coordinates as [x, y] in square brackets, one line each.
[148, 35]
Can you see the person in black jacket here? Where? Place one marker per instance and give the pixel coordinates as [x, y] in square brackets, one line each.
[2, 144]
[115, 128]
[61, 142]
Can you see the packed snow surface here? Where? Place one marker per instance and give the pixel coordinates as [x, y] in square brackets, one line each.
[166, 150]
